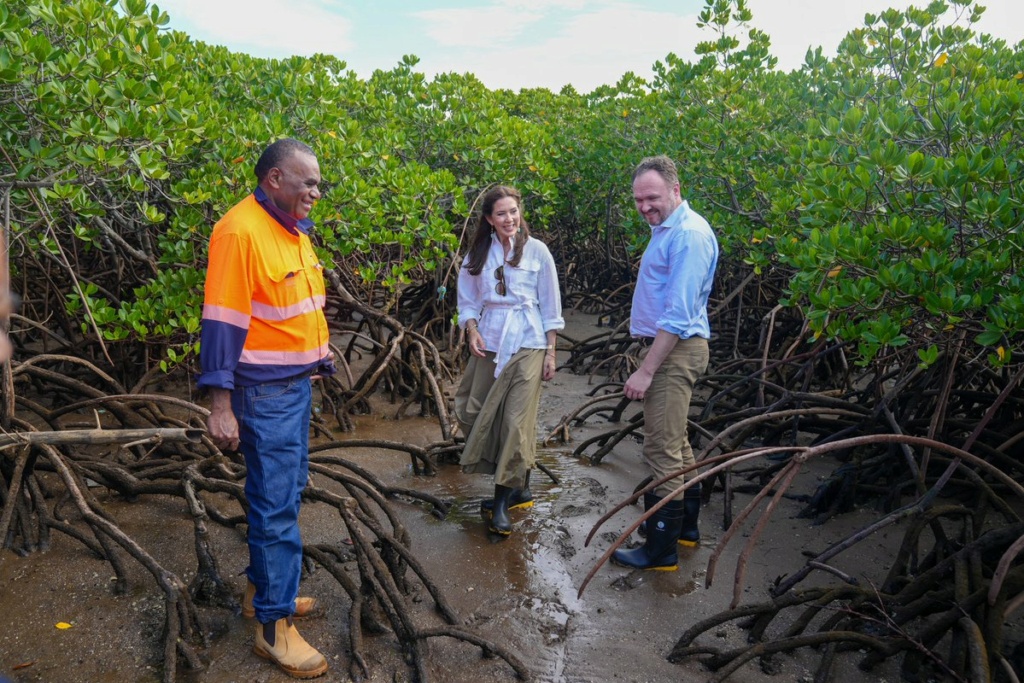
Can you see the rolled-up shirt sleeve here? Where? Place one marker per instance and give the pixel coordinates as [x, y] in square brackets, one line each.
[549, 295]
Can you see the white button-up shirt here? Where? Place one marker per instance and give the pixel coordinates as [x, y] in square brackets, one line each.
[531, 306]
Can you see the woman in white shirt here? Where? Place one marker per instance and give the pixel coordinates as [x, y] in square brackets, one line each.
[511, 309]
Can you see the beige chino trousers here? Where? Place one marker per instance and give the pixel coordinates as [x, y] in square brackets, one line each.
[666, 409]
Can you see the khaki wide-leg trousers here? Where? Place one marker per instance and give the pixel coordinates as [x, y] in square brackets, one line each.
[499, 416]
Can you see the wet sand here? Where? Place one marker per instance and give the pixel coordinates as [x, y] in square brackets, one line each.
[521, 592]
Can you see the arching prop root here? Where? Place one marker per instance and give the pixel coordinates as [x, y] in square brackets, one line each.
[383, 591]
[852, 619]
[40, 471]
[407, 363]
[924, 599]
[183, 629]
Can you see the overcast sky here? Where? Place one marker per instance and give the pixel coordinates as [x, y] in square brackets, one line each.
[526, 43]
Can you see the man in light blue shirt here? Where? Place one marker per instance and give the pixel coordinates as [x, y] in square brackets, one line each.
[670, 319]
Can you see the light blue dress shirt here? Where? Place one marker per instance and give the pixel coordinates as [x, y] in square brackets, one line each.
[676, 273]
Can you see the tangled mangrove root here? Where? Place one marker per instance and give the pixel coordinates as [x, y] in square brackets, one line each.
[403, 364]
[161, 449]
[935, 463]
[905, 615]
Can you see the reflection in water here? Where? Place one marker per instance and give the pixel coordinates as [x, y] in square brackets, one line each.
[523, 589]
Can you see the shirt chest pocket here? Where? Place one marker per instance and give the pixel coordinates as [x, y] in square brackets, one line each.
[282, 281]
[524, 277]
[288, 287]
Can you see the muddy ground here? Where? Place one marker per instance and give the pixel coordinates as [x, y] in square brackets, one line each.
[521, 592]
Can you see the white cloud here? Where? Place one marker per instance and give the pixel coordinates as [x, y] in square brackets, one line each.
[594, 48]
[528, 43]
[266, 28]
[477, 27]
[539, 5]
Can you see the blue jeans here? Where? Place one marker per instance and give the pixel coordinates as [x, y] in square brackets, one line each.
[273, 425]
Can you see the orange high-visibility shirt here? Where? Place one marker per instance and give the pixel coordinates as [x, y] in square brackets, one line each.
[263, 308]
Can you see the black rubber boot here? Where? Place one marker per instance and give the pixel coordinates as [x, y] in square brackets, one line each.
[520, 499]
[500, 522]
[659, 549]
[689, 534]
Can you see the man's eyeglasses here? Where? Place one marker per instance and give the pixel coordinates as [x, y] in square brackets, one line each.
[499, 274]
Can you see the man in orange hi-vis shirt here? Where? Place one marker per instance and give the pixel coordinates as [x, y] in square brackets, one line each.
[264, 338]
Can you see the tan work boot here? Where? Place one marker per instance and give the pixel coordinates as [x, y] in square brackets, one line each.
[290, 651]
[303, 606]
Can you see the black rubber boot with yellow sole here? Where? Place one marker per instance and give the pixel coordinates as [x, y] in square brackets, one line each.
[500, 522]
[521, 499]
[689, 534]
[659, 549]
